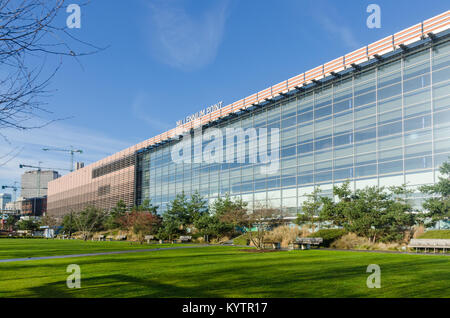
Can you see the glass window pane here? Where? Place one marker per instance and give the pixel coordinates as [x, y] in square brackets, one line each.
[390, 155]
[343, 139]
[305, 117]
[442, 74]
[363, 171]
[342, 105]
[418, 163]
[390, 167]
[418, 137]
[365, 134]
[389, 117]
[389, 91]
[365, 111]
[418, 123]
[390, 129]
[390, 104]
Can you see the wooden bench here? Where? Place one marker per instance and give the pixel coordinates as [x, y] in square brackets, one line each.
[275, 245]
[121, 237]
[185, 238]
[430, 244]
[305, 243]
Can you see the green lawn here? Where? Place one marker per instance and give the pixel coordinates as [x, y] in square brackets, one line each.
[22, 248]
[228, 272]
[436, 234]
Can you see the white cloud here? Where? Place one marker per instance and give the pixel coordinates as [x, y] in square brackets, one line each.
[185, 41]
[344, 33]
[140, 111]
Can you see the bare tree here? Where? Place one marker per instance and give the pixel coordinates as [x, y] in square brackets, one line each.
[30, 39]
[259, 222]
[88, 221]
[50, 221]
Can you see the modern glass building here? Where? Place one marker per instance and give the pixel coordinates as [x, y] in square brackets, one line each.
[384, 124]
[382, 120]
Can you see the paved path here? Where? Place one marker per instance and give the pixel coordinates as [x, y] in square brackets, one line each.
[97, 254]
[184, 247]
[385, 252]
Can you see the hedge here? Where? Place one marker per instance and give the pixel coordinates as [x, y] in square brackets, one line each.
[329, 235]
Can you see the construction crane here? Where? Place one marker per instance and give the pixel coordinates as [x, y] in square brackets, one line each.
[14, 187]
[72, 151]
[39, 169]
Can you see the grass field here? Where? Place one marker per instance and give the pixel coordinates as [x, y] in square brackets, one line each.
[221, 272]
[22, 248]
[436, 234]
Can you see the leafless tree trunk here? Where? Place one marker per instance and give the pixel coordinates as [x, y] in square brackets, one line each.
[86, 221]
[263, 218]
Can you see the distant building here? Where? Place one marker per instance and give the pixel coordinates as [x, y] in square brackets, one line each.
[4, 199]
[34, 183]
[34, 206]
[79, 165]
[14, 205]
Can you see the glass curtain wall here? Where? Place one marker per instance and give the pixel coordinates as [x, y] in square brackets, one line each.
[385, 125]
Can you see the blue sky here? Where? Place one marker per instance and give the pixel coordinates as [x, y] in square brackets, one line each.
[168, 59]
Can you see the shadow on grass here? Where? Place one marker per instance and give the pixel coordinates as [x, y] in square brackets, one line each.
[117, 286]
[229, 273]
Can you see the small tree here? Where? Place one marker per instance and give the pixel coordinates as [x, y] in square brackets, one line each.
[438, 206]
[259, 222]
[169, 228]
[68, 223]
[336, 213]
[88, 221]
[231, 213]
[210, 225]
[371, 212]
[112, 221]
[177, 212]
[50, 221]
[196, 207]
[147, 206]
[11, 222]
[141, 223]
[311, 209]
[27, 225]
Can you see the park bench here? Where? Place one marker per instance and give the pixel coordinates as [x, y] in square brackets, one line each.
[430, 244]
[121, 237]
[305, 243]
[185, 238]
[274, 245]
[100, 237]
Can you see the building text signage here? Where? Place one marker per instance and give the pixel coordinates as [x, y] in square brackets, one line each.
[201, 113]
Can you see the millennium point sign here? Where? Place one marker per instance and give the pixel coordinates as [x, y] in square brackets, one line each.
[201, 113]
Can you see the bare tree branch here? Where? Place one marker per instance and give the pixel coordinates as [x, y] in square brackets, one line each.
[30, 38]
